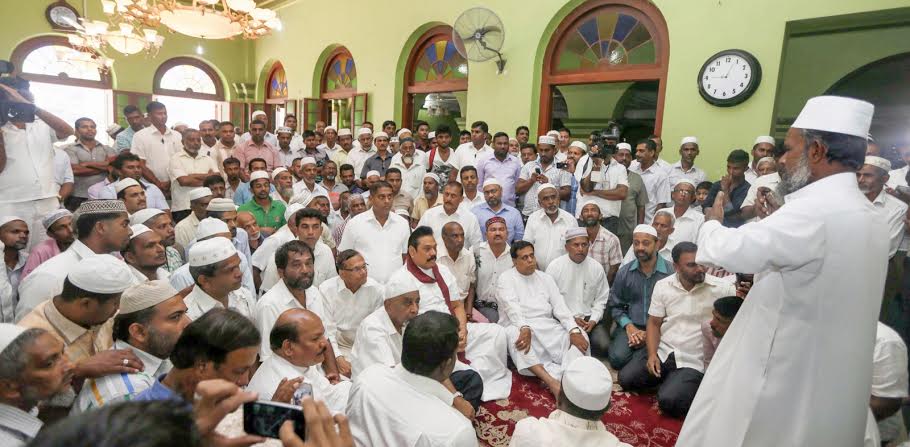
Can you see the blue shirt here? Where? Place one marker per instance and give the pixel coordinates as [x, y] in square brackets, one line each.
[630, 293]
[125, 139]
[158, 392]
[569, 205]
[243, 194]
[514, 223]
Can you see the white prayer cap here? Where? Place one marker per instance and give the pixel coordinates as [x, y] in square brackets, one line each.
[283, 129]
[546, 139]
[491, 181]
[307, 161]
[292, 209]
[210, 251]
[553, 133]
[772, 160]
[101, 274]
[257, 113]
[399, 285]
[344, 132]
[836, 114]
[198, 193]
[624, 146]
[145, 295]
[646, 229]
[125, 183]
[143, 216]
[258, 175]
[56, 215]
[573, 233]
[9, 333]
[687, 140]
[878, 162]
[404, 130]
[580, 145]
[113, 128]
[7, 219]
[511, 139]
[685, 180]
[393, 140]
[364, 131]
[545, 187]
[178, 124]
[380, 134]
[210, 226]
[590, 201]
[220, 205]
[431, 135]
[587, 383]
[278, 170]
[90, 207]
[433, 176]
[764, 139]
[138, 230]
[328, 128]
[373, 174]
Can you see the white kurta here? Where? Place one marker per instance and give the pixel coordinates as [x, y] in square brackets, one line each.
[436, 218]
[275, 368]
[892, 211]
[393, 407]
[889, 377]
[788, 373]
[562, 429]
[279, 299]
[486, 344]
[323, 267]
[380, 245]
[488, 271]
[584, 286]
[534, 300]
[377, 341]
[685, 227]
[347, 310]
[46, 281]
[198, 302]
[548, 236]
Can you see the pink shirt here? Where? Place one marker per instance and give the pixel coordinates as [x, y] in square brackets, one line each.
[249, 150]
[42, 252]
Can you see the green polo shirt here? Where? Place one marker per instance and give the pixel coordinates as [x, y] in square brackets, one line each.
[273, 218]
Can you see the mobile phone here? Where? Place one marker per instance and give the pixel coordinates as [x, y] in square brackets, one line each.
[303, 391]
[561, 165]
[537, 170]
[264, 418]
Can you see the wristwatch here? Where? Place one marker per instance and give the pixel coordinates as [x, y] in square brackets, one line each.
[575, 330]
[458, 394]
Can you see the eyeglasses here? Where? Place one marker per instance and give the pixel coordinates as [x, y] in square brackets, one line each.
[358, 269]
[683, 191]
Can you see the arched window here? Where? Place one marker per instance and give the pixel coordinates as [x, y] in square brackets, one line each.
[436, 81]
[338, 104]
[606, 61]
[277, 104]
[191, 90]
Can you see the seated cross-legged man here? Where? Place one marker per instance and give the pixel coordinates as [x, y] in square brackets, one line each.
[673, 359]
[543, 334]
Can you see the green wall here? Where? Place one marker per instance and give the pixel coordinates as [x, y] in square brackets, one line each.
[233, 59]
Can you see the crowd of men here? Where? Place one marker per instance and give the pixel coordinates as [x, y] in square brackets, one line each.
[390, 275]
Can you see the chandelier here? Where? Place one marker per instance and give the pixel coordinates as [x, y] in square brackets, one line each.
[85, 55]
[94, 35]
[206, 19]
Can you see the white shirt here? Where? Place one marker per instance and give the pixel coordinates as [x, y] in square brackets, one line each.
[279, 299]
[524, 299]
[63, 170]
[198, 302]
[30, 157]
[769, 181]
[393, 407]
[898, 177]
[889, 376]
[181, 165]
[816, 254]
[563, 429]
[348, 310]
[411, 177]
[17, 427]
[260, 258]
[683, 312]
[584, 286]
[287, 158]
[751, 174]
[46, 281]
[380, 245]
[156, 149]
[685, 228]
[657, 185]
[489, 270]
[139, 277]
[466, 155]
[660, 163]
[436, 218]
[614, 175]
[323, 266]
[557, 177]
[298, 187]
[9, 287]
[358, 156]
[275, 368]
[677, 173]
[431, 297]
[377, 341]
[892, 210]
[548, 236]
[464, 269]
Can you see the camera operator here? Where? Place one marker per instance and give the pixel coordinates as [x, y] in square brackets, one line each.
[27, 157]
[606, 184]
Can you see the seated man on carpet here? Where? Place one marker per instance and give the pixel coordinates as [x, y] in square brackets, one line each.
[483, 344]
[673, 358]
[585, 397]
[493, 259]
[298, 345]
[410, 404]
[713, 330]
[543, 334]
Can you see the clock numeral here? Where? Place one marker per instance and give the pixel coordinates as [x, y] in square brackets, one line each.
[728, 59]
[709, 85]
[741, 84]
[725, 94]
[734, 91]
[744, 67]
[711, 69]
[715, 91]
[717, 63]
[706, 78]
[746, 76]
[737, 61]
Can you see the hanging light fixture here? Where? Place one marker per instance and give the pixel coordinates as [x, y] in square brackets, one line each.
[205, 19]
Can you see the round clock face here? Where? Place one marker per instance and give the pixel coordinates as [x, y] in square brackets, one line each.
[729, 78]
[63, 16]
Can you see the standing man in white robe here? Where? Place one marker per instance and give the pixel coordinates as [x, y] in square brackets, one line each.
[795, 367]
[547, 226]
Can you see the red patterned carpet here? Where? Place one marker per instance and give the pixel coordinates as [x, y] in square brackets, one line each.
[633, 418]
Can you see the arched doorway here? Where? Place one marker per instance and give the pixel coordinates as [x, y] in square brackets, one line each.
[338, 104]
[277, 105]
[607, 60]
[191, 90]
[64, 86]
[436, 82]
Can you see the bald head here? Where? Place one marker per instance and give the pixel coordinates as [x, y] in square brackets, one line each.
[299, 337]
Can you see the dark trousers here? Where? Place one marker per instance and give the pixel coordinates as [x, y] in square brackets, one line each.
[610, 223]
[600, 337]
[180, 215]
[489, 310]
[677, 385]
[469, 384]
[620, 352]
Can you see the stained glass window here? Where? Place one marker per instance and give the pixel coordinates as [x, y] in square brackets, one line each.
[440, 61]
[342, 73]
[187, 78]
[62, 61]
[278, 83]
[605, 38]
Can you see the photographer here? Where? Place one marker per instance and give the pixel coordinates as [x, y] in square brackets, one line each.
[606, 183]
[27, 139]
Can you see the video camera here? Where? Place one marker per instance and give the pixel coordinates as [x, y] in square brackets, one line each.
[12, 110]
[603, 142]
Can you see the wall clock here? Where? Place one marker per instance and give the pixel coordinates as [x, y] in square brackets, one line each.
[729, 77]
[61, 15]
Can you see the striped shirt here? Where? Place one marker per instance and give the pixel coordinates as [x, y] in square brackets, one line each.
[120, 387]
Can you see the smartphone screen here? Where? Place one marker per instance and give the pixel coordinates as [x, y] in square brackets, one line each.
[264, 418]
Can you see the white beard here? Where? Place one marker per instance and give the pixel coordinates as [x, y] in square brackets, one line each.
[791, 182]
